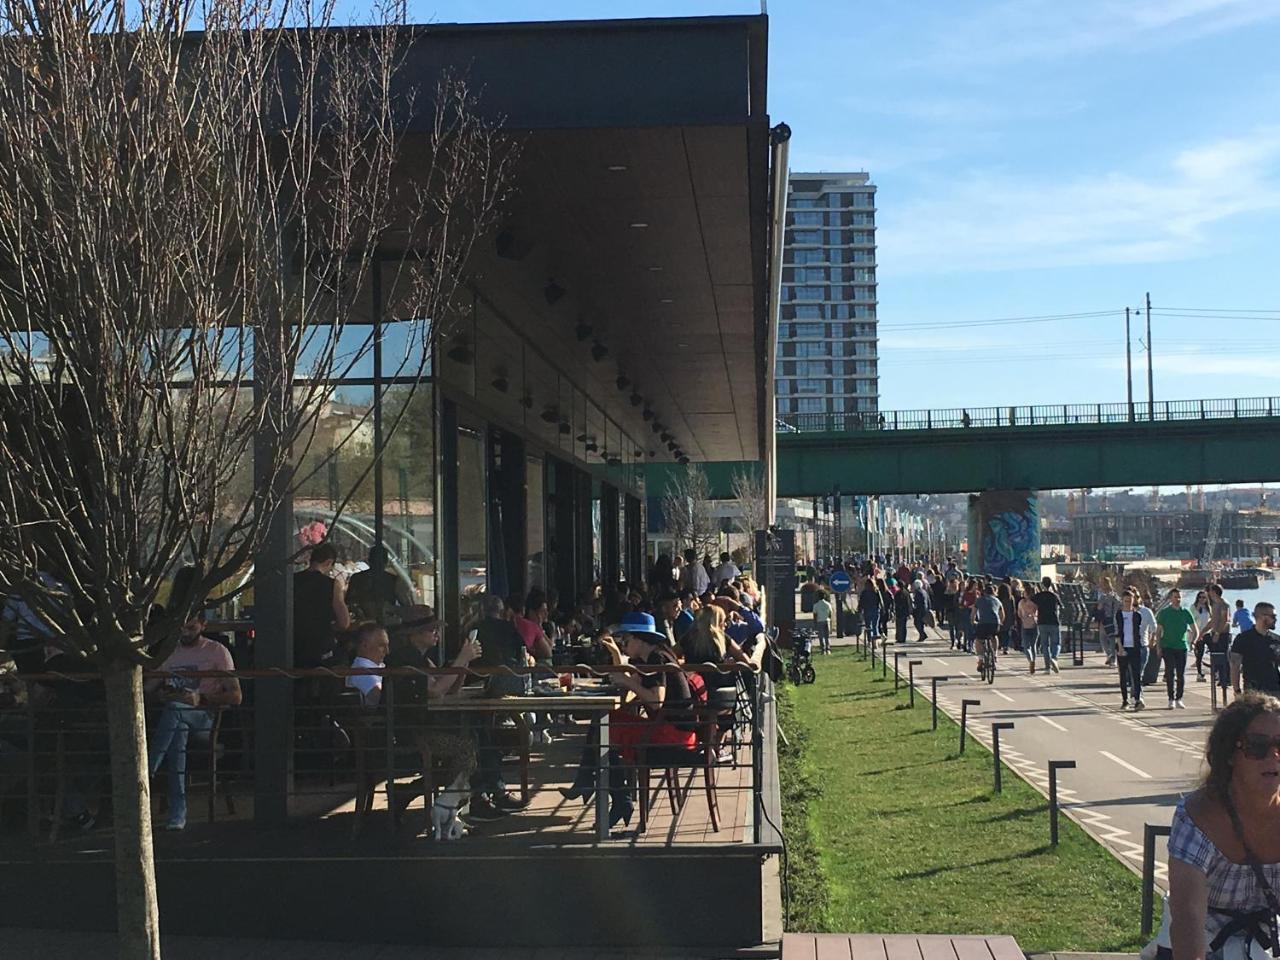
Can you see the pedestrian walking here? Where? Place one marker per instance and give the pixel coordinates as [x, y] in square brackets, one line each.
[1219, 640]
[1200, 609]
[1028, 619]
[1130, 651]
[1105, 610]
[1151, 674]
[964, 610]
[920, 607]
[822, 621]
[1048, 624]
[901, 613]
[1255, 654]
[1009, 622]
[1176, 631]
[869, 607]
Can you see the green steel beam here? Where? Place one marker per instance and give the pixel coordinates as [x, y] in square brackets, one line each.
[1244, 450]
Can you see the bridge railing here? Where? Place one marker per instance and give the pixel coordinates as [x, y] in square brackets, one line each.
[959, 418]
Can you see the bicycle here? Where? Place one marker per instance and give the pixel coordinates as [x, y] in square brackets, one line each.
[987, 659]
[800, 666]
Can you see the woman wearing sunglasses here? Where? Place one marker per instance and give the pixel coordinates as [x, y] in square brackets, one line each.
[1224, 847]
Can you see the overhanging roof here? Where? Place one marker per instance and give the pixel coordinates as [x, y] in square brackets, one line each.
[655, 122]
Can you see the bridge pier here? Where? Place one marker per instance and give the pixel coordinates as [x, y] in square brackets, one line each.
[1004, 534]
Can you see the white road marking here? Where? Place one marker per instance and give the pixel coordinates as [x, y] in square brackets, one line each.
[1128, 766]
[1004, 696]
[941, 661]
[1052, 723]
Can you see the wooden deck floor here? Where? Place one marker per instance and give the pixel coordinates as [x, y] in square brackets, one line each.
[870, 946]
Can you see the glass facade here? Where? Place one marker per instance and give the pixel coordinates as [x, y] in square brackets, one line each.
[819, 282]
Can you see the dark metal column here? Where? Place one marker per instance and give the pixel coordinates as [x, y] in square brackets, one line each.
[273, 599]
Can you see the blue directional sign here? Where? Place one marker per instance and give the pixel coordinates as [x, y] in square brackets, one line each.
[839, 581]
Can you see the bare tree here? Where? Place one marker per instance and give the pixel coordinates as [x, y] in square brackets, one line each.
[686, 510]
[753, 506]
[191, 226]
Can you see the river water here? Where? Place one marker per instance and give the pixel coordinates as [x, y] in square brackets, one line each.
[1267, 590]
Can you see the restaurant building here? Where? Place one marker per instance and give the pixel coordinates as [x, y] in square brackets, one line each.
[621, 316]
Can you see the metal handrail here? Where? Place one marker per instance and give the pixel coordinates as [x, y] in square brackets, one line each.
[1063, 414]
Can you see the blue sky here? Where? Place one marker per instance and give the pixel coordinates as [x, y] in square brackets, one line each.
[1037, 158]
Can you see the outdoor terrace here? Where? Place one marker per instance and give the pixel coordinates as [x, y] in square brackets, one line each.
[532, 879]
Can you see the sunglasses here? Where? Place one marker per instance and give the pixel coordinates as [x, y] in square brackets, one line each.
[1257, 747]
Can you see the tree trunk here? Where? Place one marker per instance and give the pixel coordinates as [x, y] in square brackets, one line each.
[137, 907]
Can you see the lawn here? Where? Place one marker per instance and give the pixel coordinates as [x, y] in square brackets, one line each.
[890, 830]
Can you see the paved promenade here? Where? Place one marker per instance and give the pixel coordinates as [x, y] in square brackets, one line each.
[1131, 767]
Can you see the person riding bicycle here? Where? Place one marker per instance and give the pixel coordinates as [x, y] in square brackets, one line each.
[988, 614]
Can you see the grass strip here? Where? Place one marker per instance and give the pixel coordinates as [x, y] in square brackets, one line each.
[890, 830]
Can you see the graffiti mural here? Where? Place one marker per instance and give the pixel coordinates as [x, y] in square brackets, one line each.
[1010, 525]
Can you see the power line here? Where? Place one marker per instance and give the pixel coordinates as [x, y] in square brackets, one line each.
[1000, 321]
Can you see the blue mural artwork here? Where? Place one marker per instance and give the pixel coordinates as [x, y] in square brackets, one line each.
[1011, 542]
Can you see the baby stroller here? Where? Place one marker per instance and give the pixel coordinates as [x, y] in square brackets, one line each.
[800, 666]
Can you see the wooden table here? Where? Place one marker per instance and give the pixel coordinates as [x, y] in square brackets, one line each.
[598, 703]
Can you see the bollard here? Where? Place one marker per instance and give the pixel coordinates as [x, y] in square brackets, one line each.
[872, 646]
[964, 718]
[1077, 645]
[1149, 833]
[897, 658]
[934, 681]
[911, 679]
[1216, 659]
[1054, 767]
[884, 657]
[995, 747]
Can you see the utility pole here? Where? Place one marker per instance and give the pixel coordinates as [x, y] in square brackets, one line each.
[1151, 389]
[1128, 362]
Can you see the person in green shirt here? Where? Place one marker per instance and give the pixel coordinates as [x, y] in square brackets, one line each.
[1176, 630]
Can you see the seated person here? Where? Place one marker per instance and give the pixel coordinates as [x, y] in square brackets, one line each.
[639, 722]
[187, 705]
[501, 645]
[414, 644]
[372, 646]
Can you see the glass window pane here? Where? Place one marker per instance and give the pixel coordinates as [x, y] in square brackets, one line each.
[409, 484]
[473, 553]
[535, 504]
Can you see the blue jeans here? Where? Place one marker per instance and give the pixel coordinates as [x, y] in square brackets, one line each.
[169, 740]
[871, 619]
[1029, 645]
[1049, 636]
[962, 624]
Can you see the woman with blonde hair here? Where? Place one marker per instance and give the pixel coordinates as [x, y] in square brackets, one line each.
[706, 642]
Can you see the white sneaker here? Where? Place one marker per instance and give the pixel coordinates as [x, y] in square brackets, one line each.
[1172, 704]
[1180, 704]
[1053, 665]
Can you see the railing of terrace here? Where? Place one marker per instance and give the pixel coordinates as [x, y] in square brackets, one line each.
[960, 418]
[349, 761]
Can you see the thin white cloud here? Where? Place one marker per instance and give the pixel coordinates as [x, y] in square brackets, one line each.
[991, 220]
[1051, 29]
[1192, 365]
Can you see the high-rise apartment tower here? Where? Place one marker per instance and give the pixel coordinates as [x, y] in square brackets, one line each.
[827, 332]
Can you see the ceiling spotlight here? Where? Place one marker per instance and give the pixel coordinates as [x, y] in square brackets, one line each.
[460, 352]
[550, 414]
[581, 438]
[678, 453]
[683, 461]
[565, 428]
[500, 383]
[582, 330]
[653, 453]
[671, 446]
[636, 399]
[665, 437]
[648, 414]
[599, 351]
[638, 224]
[553, 292]
[614, 461]
[655, 426]
[592, 446]
[616, 167]
[623, 382]
[527, 402]
[639, 453]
